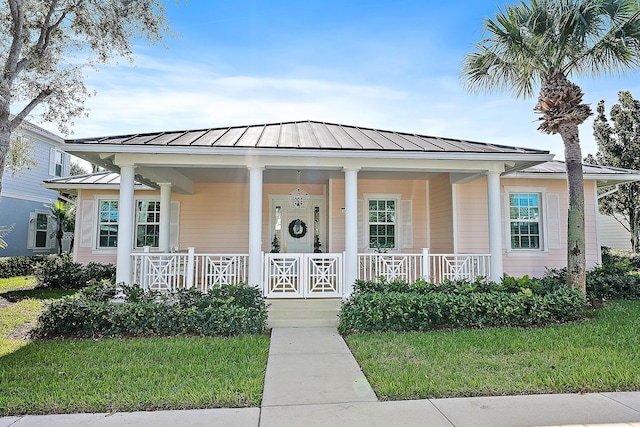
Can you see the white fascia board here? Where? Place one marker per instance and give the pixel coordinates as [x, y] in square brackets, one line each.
[311, 153]
[467, 165]
[607, 179]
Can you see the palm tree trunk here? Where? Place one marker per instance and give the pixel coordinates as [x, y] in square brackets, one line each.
[576, 257]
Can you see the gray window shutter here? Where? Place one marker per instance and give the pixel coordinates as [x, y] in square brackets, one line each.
[407, 223]
[86, 224]
[52, 228]
[31, 238]
[361, 224]
[554, 235]
[52, 161]
[174, 233]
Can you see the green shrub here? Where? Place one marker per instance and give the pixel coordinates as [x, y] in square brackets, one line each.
[225, 311]
[61, 272]
[398, 306]
[19, 265]
[617, 279]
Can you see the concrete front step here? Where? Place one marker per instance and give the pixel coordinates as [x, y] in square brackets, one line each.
[303, 313]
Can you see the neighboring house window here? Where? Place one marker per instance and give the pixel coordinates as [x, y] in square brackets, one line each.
[525, 221]
[382, 216]
[108, 224]
[147, 223]
[56, 165]
[42, 227]
[40, 232]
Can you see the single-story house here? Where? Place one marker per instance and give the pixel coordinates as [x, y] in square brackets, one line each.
[303, 209]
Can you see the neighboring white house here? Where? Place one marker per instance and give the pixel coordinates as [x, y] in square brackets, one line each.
[23, 199]
[203, 207]
[613, 233]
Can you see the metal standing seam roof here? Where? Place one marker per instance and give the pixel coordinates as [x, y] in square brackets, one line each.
[558, 167]
[304, 135]
[102, 179]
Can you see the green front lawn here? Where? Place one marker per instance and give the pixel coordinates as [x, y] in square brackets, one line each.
[64, 376]
[20, 306]
[19, 282]
[592, 356]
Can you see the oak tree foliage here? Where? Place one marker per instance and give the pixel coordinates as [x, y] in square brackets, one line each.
[46, 44]
[618, 139]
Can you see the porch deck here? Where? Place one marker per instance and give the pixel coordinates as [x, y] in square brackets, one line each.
[297, 275]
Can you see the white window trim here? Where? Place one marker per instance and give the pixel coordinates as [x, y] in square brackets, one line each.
[96, 222]
[544, 249]
[52, 162]
[97, 249]
[31, 242]
[136, 223]
[397, 198]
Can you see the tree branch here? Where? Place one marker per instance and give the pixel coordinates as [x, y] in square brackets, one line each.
[17, 15]
[18, 118]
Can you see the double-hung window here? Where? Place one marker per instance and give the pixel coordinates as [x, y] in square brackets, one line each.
[108, 224]
[525, 221]
[382, 215]
[147, 223]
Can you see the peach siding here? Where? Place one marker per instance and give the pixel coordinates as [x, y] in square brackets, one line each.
[441, 214]
[472, 217]
[215, 218]
[413, 190]
[471, 203]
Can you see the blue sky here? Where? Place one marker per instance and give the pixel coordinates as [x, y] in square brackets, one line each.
[382, 64]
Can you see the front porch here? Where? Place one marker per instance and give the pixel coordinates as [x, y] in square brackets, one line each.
[300, 275]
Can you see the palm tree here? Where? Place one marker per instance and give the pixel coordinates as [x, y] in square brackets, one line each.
[63, 214]
[542, 43]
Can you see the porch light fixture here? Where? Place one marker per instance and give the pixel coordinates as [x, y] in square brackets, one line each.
[298, 198]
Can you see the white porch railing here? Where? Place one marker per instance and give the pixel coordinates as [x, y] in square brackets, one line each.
[430, 267]
[299, 275]
[440, 267]
[170, 271]
[303, 275]
[407, 267]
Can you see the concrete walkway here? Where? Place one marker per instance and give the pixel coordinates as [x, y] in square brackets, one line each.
[313, 380]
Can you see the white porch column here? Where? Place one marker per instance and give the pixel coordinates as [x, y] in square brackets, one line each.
[165, 216]
[350, 229]
[255, 226]
[126, 214]
[495, 225]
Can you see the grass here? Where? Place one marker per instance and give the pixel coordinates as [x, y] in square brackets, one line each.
[65, 376]
[19, 282]
[593, 356]
[17, 318]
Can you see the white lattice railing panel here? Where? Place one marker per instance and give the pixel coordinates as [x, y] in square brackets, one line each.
[164, 272]
[215, 270]
[458, 267]
[160, 272]
[431, 267]
[391, 267]
[282, 275]
[324, 275]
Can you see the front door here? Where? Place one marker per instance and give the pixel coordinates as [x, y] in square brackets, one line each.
[296, 228]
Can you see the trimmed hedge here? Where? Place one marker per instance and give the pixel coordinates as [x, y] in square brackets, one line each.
[61, 272]
[224, 311]
[421, 306]
[618, 280]
[19, 265]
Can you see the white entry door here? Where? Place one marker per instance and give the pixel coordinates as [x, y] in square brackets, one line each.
[295, 228]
